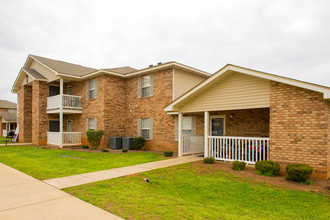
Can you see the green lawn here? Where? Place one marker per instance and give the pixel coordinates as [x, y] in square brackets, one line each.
[43, 163]
[193, 192]
[2, 140]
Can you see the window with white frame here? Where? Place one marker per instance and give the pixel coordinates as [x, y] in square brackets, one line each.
[145, 86]
[188, 126]
[91, 124]
[91, 89]
[145, 128]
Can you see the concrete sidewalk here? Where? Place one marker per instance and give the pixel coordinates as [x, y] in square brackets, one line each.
[23, 197]
[85, 178]
[16, 144]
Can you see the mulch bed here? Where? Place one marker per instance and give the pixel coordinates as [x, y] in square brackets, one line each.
[319, 185]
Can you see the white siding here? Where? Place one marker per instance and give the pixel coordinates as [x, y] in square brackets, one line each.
[50, 75]
[236, 91]
[184, 81]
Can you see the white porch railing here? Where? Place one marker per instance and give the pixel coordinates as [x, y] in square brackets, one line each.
[69, 102]
[69, 138]
[193, 144]
[247, 149]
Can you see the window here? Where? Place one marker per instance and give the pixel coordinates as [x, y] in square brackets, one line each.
[91, 124]
[188, 126]
[69, 90]
[54, 126]
[54, 90]
[91, 89]
[145, 128]
[26, 79]
[145, 86]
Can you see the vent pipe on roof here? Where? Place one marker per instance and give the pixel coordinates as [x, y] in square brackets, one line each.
[151, 65]
[159, 63]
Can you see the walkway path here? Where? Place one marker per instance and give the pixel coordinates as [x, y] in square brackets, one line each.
[23, 197]
[80, 179]
[16, 144]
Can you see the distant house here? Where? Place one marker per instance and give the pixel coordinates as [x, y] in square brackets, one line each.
[8, 117]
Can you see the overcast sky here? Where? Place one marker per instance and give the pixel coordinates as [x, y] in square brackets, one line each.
[290, 38]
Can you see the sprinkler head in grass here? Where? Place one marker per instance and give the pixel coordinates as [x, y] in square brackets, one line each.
[147, 181]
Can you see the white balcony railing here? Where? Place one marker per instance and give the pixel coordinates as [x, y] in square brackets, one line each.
[69, 102]
[69, 138]
[247, 149]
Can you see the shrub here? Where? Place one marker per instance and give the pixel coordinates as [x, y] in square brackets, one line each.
[209, 160]
[138, 143]
[94, 138]
[168, 153]
[238, 165]
[85, 147]
[267, 168]
[124, 150]
[298, 172]
[105, 150]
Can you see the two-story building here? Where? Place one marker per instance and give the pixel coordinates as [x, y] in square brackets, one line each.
[8, 117]
[59, 101]
[235, 114]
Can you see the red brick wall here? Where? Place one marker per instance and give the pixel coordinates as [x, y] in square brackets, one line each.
[299, 127]
[246, 122]
[39, 114]
[152, 107]
[25, 114]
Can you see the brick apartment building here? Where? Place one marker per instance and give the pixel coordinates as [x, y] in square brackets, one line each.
[235, 114]
[8, 117]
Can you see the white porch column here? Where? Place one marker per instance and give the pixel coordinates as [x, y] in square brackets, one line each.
[206, 133]
[180, 135]
[61, 113]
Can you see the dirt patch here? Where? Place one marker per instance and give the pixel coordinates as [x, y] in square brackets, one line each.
[318, 185]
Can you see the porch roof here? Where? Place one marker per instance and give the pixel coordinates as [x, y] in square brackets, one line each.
[8, 117]
[224, 72]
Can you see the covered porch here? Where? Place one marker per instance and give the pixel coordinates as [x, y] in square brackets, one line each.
[229, 135]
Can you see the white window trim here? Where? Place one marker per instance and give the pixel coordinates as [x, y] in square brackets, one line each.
[92, 88]
[94, 126]
[224, 123]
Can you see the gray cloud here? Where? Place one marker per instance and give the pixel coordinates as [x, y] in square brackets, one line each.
[288, 38]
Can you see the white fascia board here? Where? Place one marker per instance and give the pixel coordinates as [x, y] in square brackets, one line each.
[99, 72]
[56, 73]
[281, 79]
[193, 90]
[34, 77]
[163, 66]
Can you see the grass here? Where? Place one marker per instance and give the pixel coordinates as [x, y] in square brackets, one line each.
[2, 140]
[187, 192]
[43, 163]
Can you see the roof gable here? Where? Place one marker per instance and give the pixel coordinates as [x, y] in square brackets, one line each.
[232, 68]
[7, 104]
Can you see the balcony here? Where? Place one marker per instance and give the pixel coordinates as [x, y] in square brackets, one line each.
[71, 104]
[69, 138]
